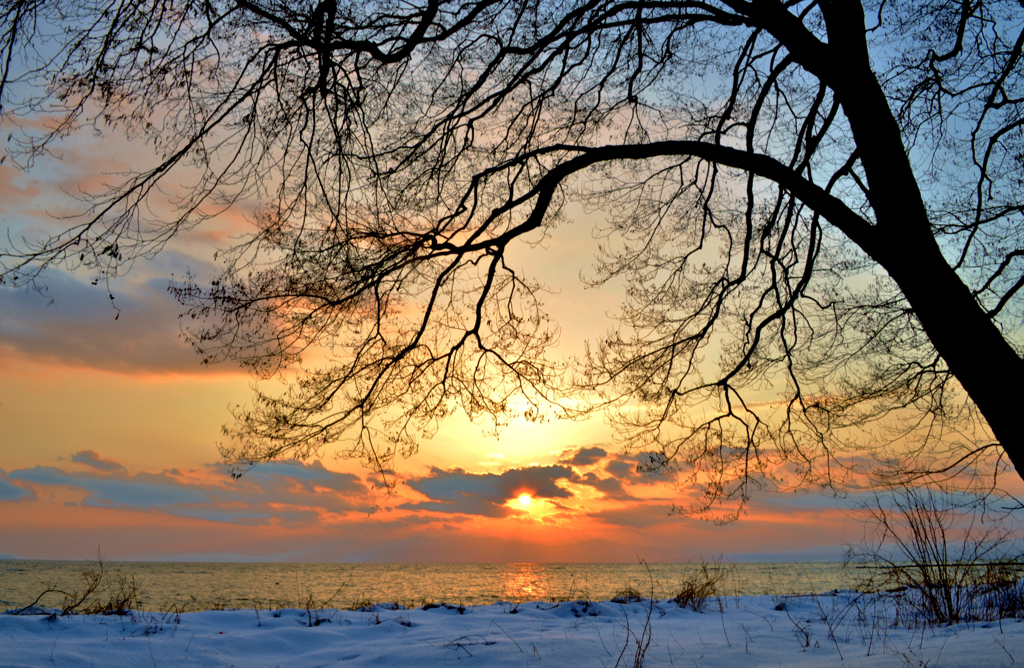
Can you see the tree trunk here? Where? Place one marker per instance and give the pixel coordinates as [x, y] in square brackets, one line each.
[987, 367]
[902, 241]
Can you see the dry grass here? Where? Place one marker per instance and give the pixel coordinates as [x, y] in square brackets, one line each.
[706, 584]
[629, 594]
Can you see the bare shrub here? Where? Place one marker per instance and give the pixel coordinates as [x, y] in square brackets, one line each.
[99, 593]
[696, 590]
[944, 557]
[118, 595]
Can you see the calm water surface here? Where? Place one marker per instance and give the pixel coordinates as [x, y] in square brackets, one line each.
[199, 586]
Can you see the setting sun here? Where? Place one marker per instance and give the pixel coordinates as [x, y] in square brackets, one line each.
[524, 500]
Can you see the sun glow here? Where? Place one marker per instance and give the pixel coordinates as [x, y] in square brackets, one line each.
[524, 500]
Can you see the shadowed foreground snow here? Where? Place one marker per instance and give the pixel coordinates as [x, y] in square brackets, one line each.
[845, 629]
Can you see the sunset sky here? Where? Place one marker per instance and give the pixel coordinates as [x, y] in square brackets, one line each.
[110, 426]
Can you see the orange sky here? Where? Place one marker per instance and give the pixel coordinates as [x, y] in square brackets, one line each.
[110, 430]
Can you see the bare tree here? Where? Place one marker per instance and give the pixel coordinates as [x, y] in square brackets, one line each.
[817, 197]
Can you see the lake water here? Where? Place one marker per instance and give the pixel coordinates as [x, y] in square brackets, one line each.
[190, 586]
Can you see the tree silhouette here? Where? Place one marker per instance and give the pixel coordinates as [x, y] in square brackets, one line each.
[821, 197]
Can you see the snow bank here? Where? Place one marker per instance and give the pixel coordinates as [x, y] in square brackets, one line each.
[830, 630]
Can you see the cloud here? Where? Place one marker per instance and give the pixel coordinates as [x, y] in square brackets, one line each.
[282, 487]
[586, 456]
[9, 492]
[639, 468]
[610, 487]
[109, 491]
[538, 480]
[15, 186]
[93, 459]
[310, 475]
[621, 469]
[621, 466]
[293, 492]
[457, 491]
[638, 516]
[469, 505]
[72, 322]
[485, 494]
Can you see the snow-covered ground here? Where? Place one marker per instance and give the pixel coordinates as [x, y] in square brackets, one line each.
[844, 629]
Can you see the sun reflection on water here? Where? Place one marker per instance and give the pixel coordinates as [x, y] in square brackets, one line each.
[524, 582]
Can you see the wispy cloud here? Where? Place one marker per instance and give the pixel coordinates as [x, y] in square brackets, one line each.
[295, 492]
[115, 491]
[80, 328]
[69, 321]
[93, 459]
